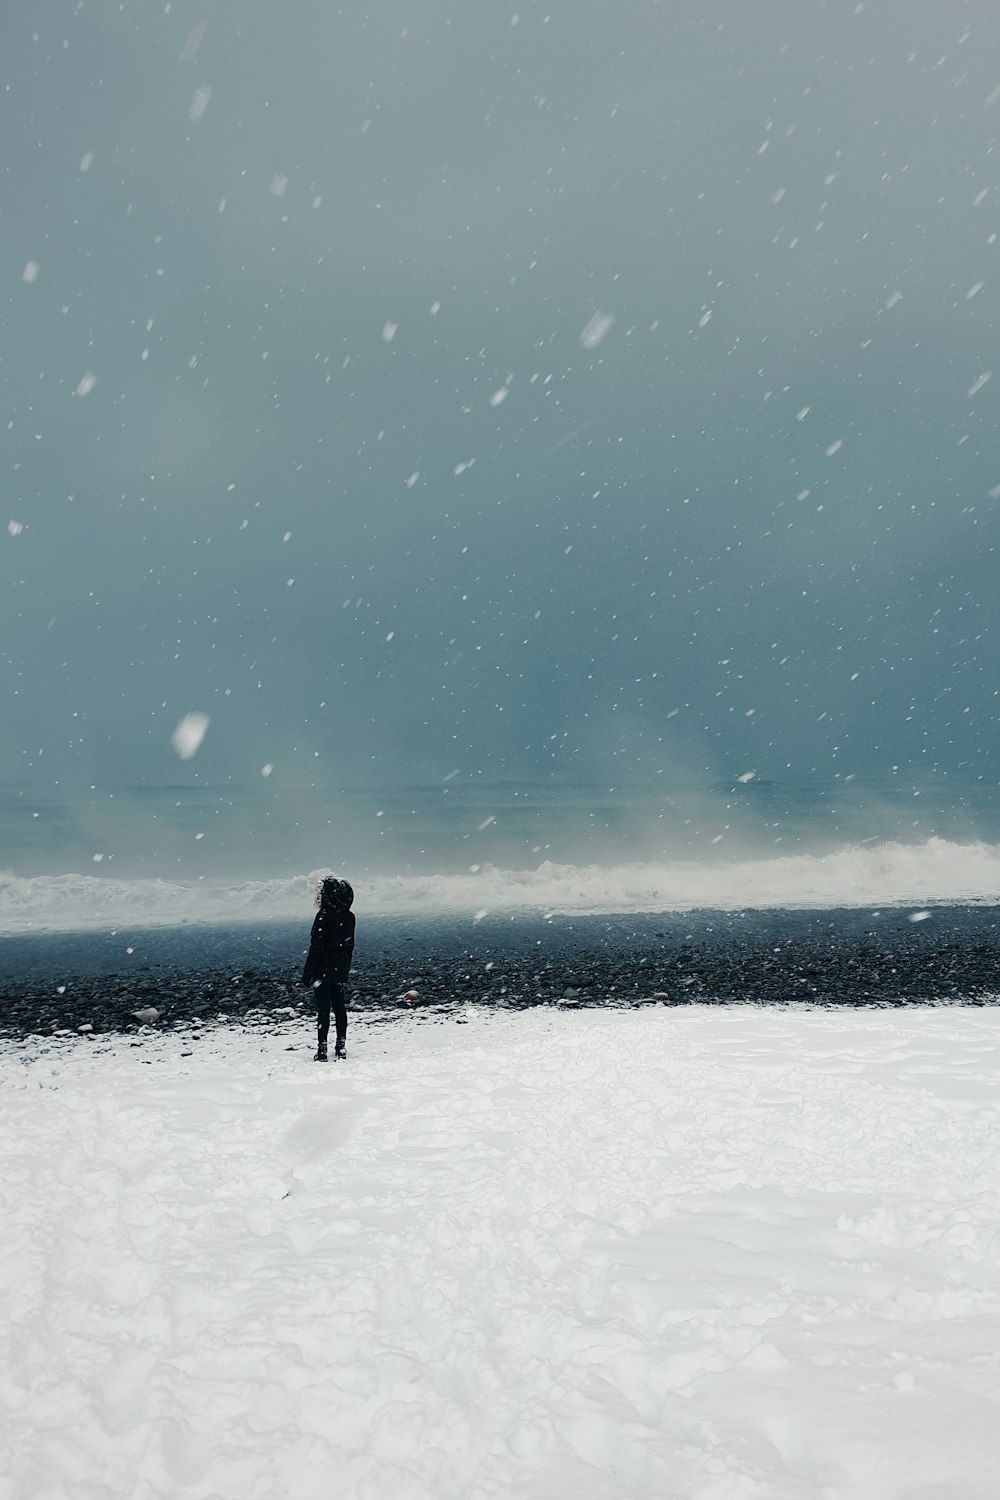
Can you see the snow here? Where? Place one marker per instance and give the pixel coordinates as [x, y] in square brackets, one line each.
[597, 329]
[199, 102]
[714, 1253]
[195, 37]
[189, 733]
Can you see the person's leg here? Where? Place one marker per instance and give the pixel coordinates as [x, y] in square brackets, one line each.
[322, 993]
[339, 999]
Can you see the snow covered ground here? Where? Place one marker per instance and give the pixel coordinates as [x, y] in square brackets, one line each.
[708, 1253]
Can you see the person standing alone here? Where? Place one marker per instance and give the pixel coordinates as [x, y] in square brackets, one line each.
[331, 945]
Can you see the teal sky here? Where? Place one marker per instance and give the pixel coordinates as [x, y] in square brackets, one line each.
[574, 389]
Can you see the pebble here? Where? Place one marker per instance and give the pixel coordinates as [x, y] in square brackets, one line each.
[828, 958]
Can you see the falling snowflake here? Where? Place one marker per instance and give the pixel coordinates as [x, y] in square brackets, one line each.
[597, 329]
[195, 36]
[187, 737]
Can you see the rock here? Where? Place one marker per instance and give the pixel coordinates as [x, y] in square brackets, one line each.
[769, 960]
[148, 1016]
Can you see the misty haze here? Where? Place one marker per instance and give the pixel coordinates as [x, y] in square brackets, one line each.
[561, 434]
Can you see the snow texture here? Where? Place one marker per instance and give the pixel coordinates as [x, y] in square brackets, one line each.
[717, 1254]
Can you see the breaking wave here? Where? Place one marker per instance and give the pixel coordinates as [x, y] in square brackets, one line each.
[859, 875]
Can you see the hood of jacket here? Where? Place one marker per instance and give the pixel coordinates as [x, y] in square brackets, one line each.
[335, 895]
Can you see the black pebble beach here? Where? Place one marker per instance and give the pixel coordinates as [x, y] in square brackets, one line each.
[92, 983]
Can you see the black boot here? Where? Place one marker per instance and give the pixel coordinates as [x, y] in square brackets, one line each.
[341, 1048]
[321, 1052]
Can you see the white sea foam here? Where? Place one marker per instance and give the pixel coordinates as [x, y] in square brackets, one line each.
[885, 874]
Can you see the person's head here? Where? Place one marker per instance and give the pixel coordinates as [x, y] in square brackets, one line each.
[332, 892]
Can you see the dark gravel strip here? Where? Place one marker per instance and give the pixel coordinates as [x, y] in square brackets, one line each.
[91, 983]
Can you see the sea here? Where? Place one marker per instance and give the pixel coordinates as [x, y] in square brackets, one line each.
[99, 857]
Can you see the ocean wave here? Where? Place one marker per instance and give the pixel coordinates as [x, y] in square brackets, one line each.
[894, 874]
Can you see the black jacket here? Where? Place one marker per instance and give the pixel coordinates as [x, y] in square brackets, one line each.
[331, 943]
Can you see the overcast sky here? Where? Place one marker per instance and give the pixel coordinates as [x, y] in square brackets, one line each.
[565, 388]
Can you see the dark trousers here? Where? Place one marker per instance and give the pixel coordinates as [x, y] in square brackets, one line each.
[331, 994]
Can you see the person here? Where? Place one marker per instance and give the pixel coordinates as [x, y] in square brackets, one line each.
[331, 945]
